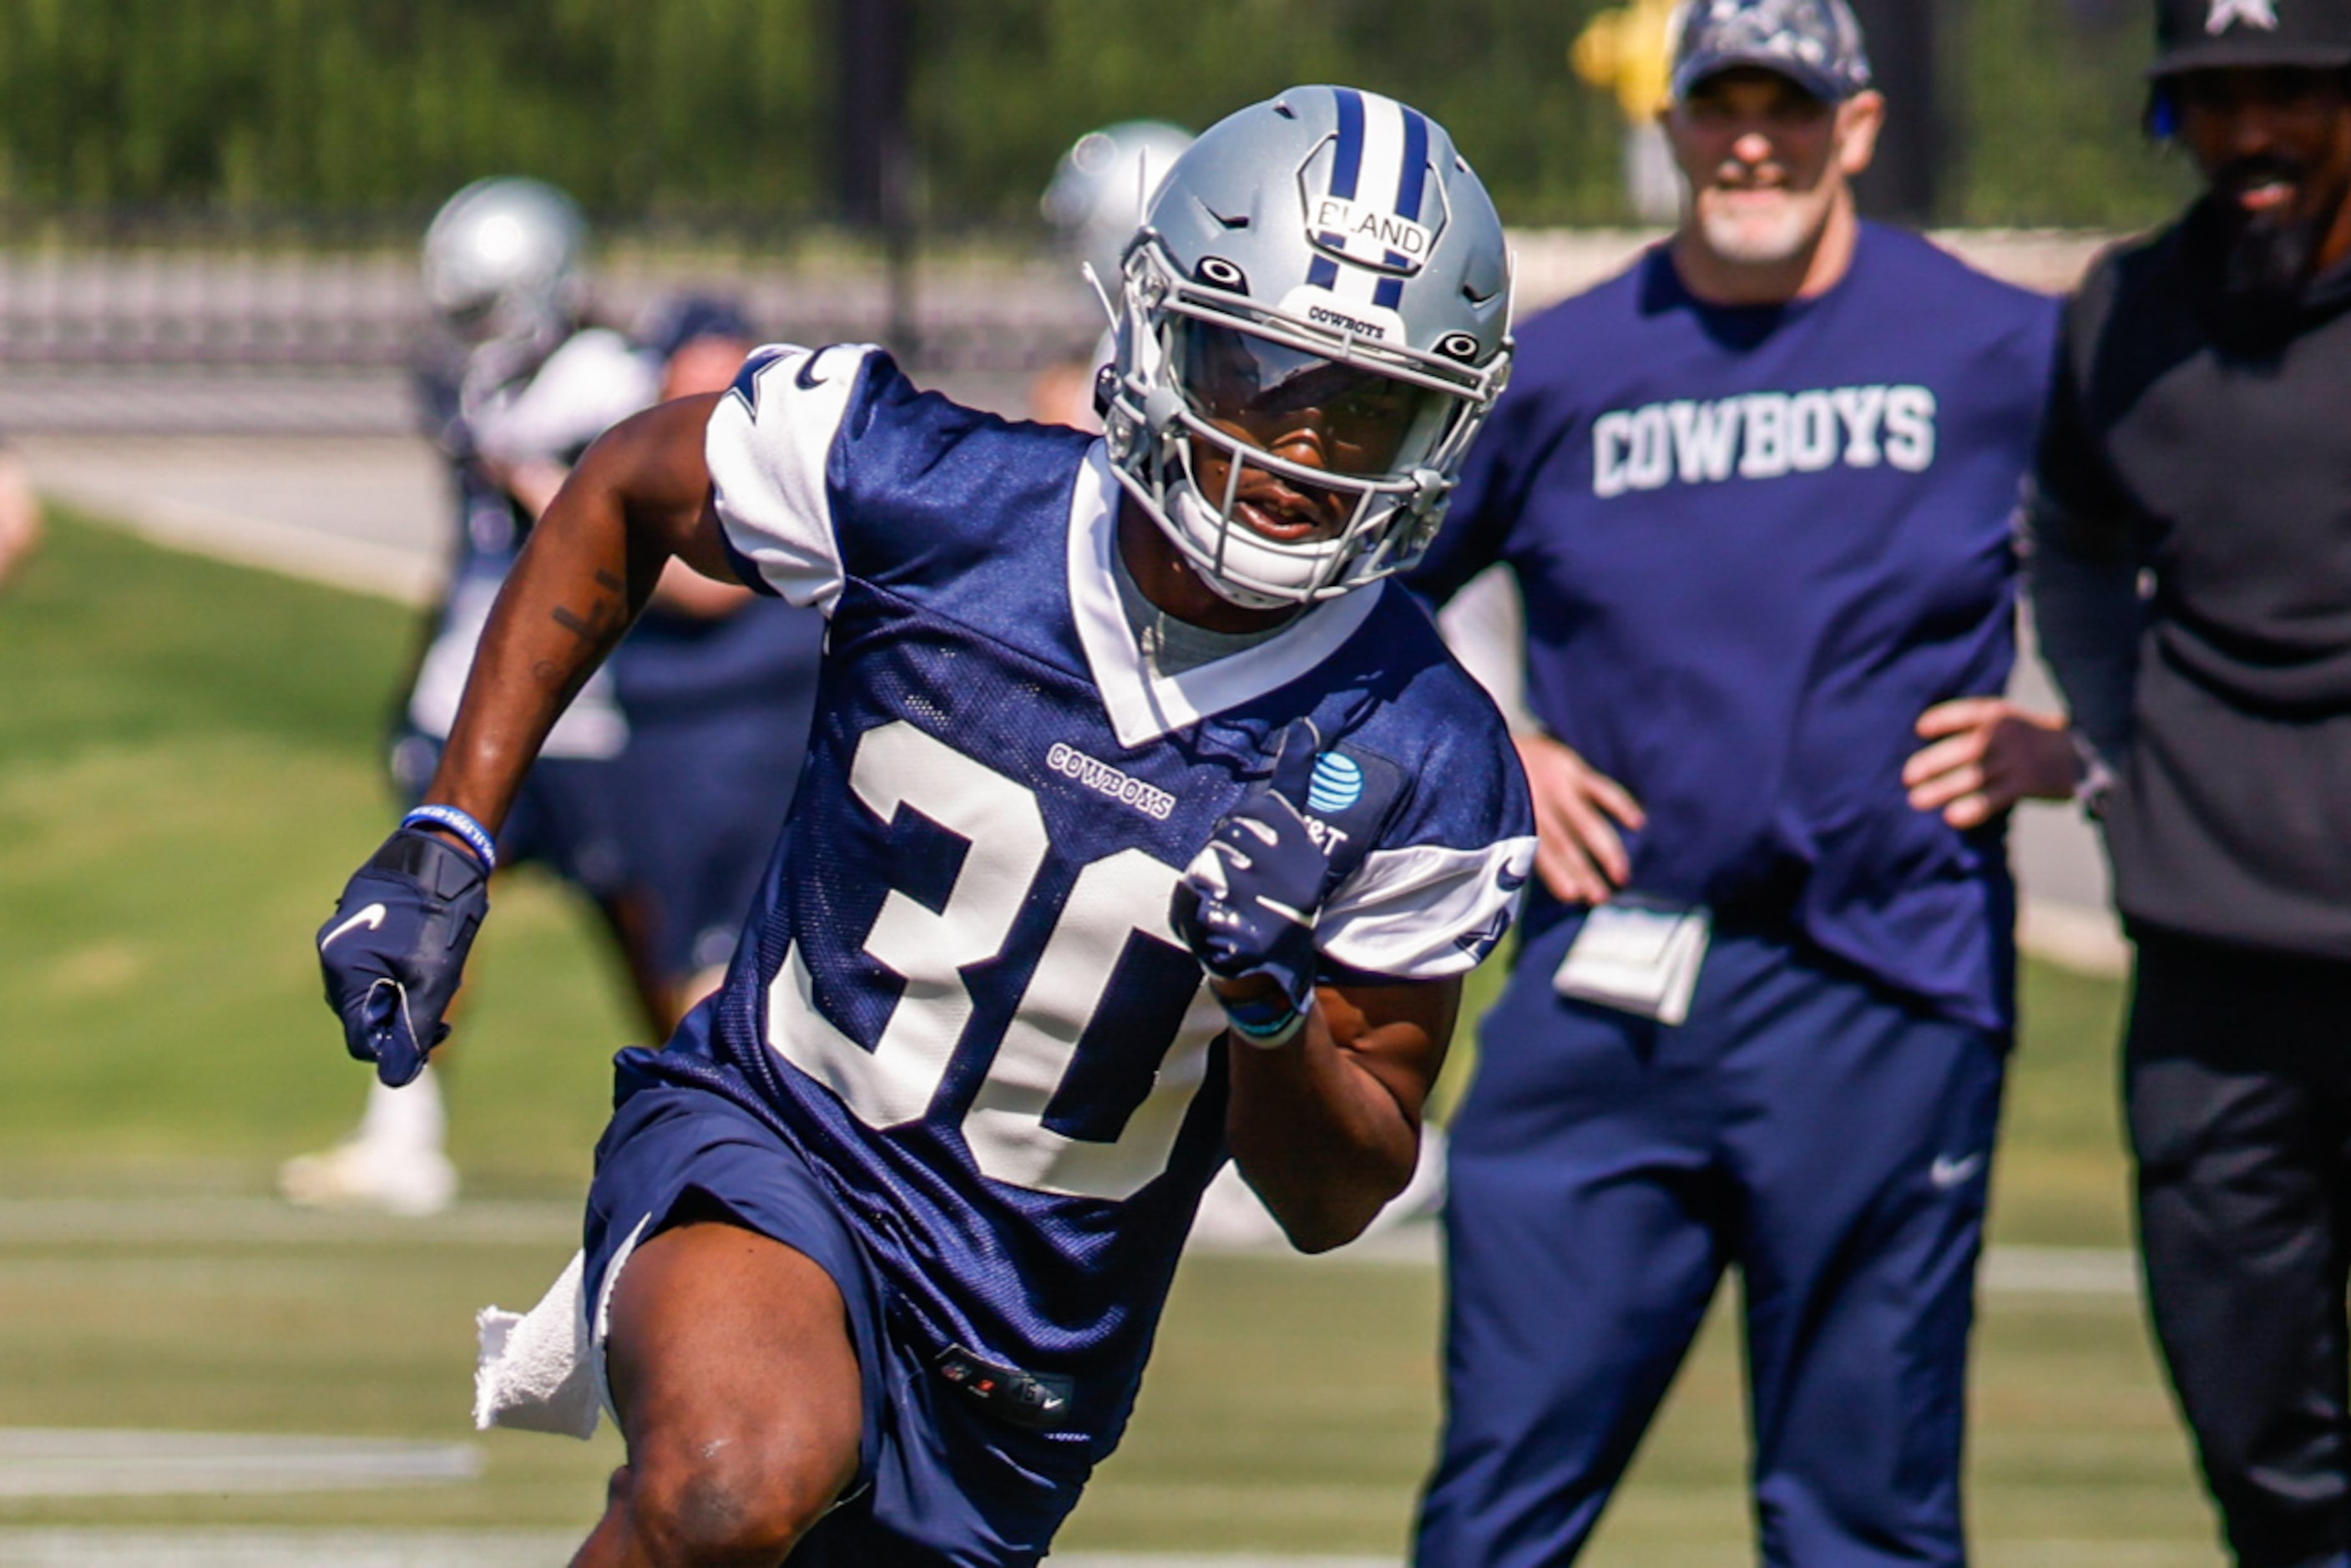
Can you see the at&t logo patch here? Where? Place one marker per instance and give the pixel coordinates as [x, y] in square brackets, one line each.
[1337, 784]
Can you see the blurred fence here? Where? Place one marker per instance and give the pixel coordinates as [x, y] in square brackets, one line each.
[194, 340]
[326, 313]
[197, 340]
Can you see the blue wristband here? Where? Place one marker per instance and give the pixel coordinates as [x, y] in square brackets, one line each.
[1267, 1023]
[477, 838]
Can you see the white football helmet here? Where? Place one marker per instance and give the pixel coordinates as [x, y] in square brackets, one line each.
[1101, 186]
[500, 260]
[1315, 322]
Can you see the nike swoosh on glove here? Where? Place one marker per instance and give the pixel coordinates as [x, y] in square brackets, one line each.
[395, 950]
[1247, 903]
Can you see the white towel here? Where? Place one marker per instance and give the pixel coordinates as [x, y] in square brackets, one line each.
[537, 1371]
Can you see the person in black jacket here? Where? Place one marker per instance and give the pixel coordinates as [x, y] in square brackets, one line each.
[2191, 567]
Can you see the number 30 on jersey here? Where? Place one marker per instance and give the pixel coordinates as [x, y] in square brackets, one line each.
[1115, 899]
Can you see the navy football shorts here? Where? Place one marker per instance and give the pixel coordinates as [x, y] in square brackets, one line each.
[939, 1480]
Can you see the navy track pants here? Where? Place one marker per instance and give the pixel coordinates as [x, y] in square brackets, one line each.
[1829, 1140]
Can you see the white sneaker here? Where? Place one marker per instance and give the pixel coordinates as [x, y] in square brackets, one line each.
[370, 1175]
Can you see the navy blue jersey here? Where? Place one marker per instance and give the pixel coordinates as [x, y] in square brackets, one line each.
[959, 993]
[1756, 544]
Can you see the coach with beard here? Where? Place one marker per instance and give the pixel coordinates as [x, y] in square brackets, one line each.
[2191, 569]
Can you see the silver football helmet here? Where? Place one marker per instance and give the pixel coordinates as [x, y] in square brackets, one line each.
[1101, 186]
[1315, 322]
[500, 260]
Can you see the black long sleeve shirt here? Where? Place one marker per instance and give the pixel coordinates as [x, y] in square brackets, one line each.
[2208, 446]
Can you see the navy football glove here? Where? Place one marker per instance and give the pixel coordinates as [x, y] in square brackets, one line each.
[395, 949]
[1246, 905]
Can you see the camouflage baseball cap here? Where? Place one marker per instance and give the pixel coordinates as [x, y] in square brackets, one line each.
[1816, 44]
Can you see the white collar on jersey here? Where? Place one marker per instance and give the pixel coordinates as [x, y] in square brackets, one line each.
[1143, 706]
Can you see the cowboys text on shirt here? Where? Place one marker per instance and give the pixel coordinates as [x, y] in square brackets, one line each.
[1763, 435]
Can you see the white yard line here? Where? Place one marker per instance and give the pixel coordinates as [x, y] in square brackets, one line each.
[213, 1221]
[202, 1547]
[39, 1462]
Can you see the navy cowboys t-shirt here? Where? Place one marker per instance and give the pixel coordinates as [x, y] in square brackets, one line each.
[1756, 543]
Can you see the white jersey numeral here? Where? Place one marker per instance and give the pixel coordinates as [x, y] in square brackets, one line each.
[1116, 900]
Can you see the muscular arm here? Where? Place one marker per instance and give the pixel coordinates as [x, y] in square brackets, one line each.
[638, 498]
[1327, 1128]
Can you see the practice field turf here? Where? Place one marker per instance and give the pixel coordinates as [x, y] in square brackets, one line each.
[187, 772]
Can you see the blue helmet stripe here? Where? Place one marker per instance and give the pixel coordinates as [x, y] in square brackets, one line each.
[1349, 166]
[1347, 171]
[1412, 182]
[1415, 173]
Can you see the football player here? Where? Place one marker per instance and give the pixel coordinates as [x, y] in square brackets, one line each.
[514, 389]
[1144, 822]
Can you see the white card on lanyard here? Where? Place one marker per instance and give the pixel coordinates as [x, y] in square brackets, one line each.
[1637, 955]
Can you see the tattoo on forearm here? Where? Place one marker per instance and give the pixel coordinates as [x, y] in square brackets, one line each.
[603, 616]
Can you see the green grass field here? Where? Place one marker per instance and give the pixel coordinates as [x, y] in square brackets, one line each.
[187, 772]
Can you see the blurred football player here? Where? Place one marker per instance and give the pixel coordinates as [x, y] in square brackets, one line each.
[1144, 822]
[512, 393]
[1098, 194]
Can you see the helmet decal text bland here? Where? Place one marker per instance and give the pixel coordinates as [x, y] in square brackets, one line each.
[1366, 191]
[1369, 235]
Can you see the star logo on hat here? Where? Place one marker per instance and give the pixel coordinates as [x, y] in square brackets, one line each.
[2262, 14]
